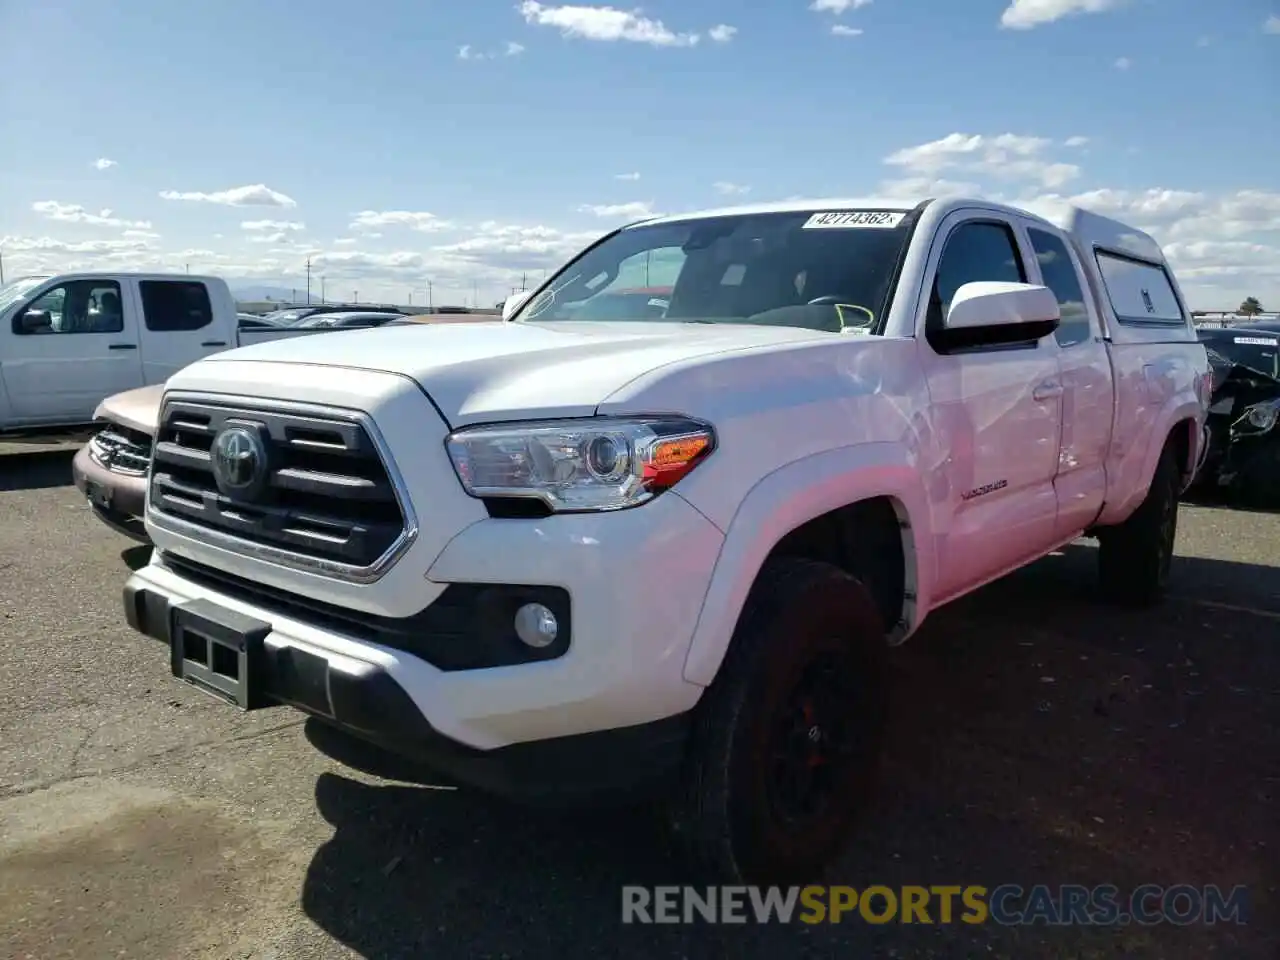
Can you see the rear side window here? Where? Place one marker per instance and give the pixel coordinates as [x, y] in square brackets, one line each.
[1060, 276]
[1139, 292]
[174, 305]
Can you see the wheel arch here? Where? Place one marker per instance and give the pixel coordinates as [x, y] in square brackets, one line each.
[820, 507]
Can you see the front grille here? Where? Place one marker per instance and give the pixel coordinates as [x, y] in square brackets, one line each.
[121, 450]
[328, 496]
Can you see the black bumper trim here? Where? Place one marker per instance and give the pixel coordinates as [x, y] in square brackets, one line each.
[371, 705]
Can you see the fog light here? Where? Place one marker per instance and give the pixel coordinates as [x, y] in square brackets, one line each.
[536, 625]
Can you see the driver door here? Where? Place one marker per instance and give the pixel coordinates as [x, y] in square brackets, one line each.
[998, 414]
[57, 372]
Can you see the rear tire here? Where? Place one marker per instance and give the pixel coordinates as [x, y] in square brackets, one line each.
[1135, 557]
[787, 740]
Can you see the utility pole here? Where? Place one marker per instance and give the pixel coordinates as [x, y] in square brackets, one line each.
[355, 296]
[188, 268]
[523, 285]
[308, 281]
[1, 268]
[411, 298]
[431, 297]
[322, 290]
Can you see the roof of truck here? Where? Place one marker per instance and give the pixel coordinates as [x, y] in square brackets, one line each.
[133, 275]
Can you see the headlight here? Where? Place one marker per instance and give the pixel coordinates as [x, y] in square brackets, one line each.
[580, 465]
[1261, 417]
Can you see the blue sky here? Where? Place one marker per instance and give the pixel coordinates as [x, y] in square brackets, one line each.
[243, 137]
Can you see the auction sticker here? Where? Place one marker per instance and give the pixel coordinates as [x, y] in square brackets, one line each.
[1257, 341]
[854, 219]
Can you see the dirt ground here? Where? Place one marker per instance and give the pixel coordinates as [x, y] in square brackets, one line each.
[1039, 737]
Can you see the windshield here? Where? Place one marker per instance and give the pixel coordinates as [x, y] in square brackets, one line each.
[1259, 352]
[11, 293]
[825, 271]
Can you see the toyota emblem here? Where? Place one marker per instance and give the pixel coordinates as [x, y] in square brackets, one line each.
[239, 460]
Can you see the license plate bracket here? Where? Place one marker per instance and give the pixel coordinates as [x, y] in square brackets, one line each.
[219, 651]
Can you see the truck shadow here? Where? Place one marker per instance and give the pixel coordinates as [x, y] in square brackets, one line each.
[1038, 737]
[35, 470]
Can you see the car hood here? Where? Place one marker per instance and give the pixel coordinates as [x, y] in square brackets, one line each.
[477, 372]
[136, 409]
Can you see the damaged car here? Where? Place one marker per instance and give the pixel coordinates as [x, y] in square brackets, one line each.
[111, 469]
[1243, 459]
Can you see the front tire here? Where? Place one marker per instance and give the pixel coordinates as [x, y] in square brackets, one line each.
[1135, 557]
[788, 737]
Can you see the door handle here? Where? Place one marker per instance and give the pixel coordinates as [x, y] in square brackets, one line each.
[1047, 390]
[214, 343]
[123, 346]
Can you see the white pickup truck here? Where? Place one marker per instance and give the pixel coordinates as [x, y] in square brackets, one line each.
[68, 342]
[552, 557]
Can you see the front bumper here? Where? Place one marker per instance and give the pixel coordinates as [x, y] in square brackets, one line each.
[365, 700]
[606, 712]
[118, 500]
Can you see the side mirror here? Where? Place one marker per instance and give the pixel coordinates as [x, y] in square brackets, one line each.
[514, 303]
[33, 321]
[993, 313]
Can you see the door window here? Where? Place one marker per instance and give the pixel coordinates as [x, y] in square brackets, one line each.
[975, 251]
[78, 306]
[1060, 276]
[175, 305]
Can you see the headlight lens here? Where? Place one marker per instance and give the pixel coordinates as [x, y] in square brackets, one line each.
[1262, 416]
[580, 465]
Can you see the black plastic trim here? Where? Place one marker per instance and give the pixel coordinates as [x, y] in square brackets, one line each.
[468, 627]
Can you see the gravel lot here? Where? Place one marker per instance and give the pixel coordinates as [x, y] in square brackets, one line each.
[1040, 738]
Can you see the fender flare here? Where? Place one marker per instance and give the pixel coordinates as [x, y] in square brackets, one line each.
[1177, 409]
[786, 499]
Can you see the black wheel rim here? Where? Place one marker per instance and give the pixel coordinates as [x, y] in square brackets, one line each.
[814, 744]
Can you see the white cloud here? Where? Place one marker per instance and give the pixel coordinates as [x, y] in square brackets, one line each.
[726, 189]
[257, 195]
[626, 176]
[607, 24]
[1007, 155]
[637, 210]
[840, 30]
[73, 213]
[259, 226]
[1026, 14]
[1124, 63]
[837, 6]
[1272, 24]
[102, 163]
[141, 235]
[722, 33]
[418, 220]
[468, 52]
[1076, 142]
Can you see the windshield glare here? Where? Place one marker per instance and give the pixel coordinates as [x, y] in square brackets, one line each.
[799, 269]
[12, 292]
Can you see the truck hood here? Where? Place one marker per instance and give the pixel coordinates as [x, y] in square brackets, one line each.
[495, 371]
[136, 409]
